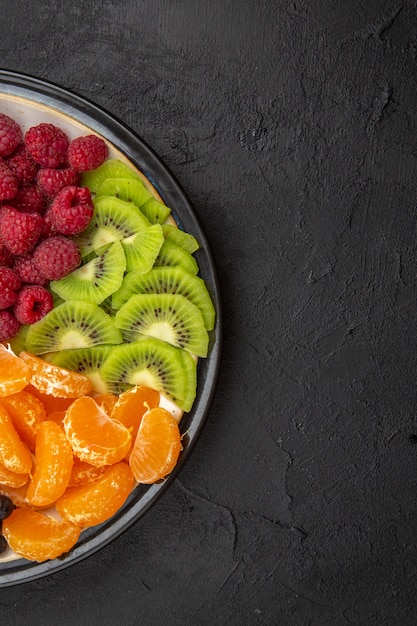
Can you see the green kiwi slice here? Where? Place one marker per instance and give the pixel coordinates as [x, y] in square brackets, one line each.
[153, 363]
[72, 324]
[155, 211]
[165, 279]
[87, 361]
[180, 237]
[169, 317]
[172, 254]
[112, 168]
[113, 220]
[96, 280]
[142, 248]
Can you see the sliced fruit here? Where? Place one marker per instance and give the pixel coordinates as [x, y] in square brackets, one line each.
[53, 465]
[112, 221]
[14, 454]
[95, 502]
[73, 324]
[166, 279]
[87, 361]
[11, 479]
[173, 254]
[16, 494]
[112, 168]
[83, 473]
[142, 249]
[156, 448]
[155, 364]
[180, 238]
[51, 403]
[107, 401]
[132, 404]
[156, 212]
[14, 373]
[96, 280]
[27, 413]
[38, 537]
[128, 189]
[169, 317]
[94, 436]
[56, 381]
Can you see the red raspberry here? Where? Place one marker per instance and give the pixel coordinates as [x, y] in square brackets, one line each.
[57, 257]
[19, 231]
[8, 182]
[22, 165]
[6, 257]
[9, 326]
[47, 144]
[72, 210]
[52, 181]
[29, 199]
[48, 228]
[33, 302]
[10, 135]
[26, 268]
[87, 153]
[9, 284]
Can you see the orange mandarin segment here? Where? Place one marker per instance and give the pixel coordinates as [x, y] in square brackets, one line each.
[14, 373]
[27, 413]
[53, 465]
[83, 473]
[11, 479]
[94, 436]
[14, 454]
[16, 494]
[95, 502]
[38, 537]
[50, 403]
[157, 446]
[132, 404]
[106, 401]
[54, 380]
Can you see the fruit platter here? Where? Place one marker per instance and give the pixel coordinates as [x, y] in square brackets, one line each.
[110, 328]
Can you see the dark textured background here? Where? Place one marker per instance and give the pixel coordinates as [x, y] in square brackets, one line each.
[292, 126]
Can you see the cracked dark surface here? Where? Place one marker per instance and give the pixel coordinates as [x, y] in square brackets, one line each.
[292, 126]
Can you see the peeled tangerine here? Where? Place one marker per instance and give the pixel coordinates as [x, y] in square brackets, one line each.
[14, 373]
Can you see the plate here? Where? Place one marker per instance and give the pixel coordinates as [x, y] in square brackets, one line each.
[31, 100]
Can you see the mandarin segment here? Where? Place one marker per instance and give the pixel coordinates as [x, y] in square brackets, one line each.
[95, 502]
[54, 380]
[38, 537]
[106, 401]
[83, 473]
[50, 403]
[157, 446]
[14, 372]
[132, 404]
[53, 465]
[14, 454]
[94, 436]
[12, 479]
[27, 413]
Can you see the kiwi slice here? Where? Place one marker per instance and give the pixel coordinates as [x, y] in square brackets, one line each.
[87, 361]
[180, 237]
[96, 280]
[112, 168]
[155, 211]
[153, 363]
[172, 254]
[169, 317]
[167, 279]
[142, 249]
[113, 220]
[72, 324]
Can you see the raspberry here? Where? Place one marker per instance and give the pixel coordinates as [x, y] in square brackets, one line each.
[9, 326]
[57, 257]
[23, 166]
[72, 210]
[9, 284]
[6, 257]
[10, 135]
[48, 228]
[33, 302]
[29, 199]
[52, 181]
[26, 268]
[87, 153]
[8, 182]
[19, 231]
[47, 144]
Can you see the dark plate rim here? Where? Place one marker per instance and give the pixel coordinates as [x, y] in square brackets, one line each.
[146, 159]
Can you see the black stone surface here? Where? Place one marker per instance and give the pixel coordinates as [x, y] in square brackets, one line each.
[292, 127]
